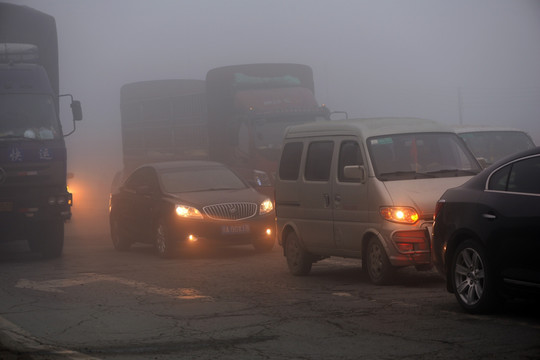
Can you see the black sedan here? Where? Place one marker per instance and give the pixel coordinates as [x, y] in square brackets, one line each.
[185, 202]
[486, 235]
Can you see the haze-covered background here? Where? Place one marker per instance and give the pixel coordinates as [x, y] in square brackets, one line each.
[370, 58]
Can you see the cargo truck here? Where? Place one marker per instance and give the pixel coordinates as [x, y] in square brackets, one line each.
[34, 200]
[237, 116]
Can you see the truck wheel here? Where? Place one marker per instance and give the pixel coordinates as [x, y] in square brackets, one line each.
[48, 239]
[163, 243]
[378, 267]
[118, 237]
[298, 260]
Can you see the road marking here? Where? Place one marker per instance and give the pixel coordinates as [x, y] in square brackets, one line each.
[57, 286]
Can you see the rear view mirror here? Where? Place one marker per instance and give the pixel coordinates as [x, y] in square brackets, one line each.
[355, 172]
[76, 110]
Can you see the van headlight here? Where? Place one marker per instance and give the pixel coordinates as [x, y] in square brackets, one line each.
[399, 214]
[188, 212]
[266, 206]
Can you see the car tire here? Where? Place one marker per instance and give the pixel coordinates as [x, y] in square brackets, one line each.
[472, 278]
[378, 267]
[119, 239]
[163, 243]
[48, 239]
[298, 260]
[264, 245]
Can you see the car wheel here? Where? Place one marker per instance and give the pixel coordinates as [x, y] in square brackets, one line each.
[119, 240]
[472, 278]
[378, 267]
[48, 239]
[264, 245]
[163, 243]
[298, 260]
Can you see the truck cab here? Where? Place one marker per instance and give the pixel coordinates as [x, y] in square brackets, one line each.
[34, 200]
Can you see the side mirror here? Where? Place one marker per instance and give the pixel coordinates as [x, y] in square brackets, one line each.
[76, 110]
[355, 172]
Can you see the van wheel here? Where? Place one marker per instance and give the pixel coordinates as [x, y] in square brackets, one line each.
[378, 267]
[298, 260]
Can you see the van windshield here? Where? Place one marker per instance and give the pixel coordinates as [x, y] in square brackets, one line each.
[29, 116]
[420, 155]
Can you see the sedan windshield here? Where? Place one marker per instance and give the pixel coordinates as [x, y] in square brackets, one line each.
[30, 116]
[200, 179]
[421, 155]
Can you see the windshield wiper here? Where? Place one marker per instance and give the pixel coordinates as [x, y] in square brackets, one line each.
[460, 171]
[18, 137]
[408, 172]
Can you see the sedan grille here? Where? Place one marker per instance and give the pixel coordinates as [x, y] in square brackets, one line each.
[231, 211]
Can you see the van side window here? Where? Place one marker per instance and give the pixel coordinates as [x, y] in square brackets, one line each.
[319, 160]
[349, 154]
[289, 165]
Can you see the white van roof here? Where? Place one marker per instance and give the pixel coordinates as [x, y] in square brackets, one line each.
[367, 127]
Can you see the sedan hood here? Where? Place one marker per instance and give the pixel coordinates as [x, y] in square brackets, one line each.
[204, 198]
[422, 194]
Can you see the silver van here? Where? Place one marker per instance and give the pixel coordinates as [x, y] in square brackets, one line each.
[367, 189]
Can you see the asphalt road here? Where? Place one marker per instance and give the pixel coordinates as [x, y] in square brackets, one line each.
[234, 303]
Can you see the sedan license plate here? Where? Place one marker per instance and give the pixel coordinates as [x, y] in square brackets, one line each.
[234, 229]
[6, 206]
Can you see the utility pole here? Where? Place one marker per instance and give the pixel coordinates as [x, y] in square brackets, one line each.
[460, 105]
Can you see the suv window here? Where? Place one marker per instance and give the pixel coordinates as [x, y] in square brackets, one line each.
[349, 154]
[289, 165]
[319, 160]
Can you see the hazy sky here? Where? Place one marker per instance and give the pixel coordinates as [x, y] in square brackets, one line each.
[370, 58]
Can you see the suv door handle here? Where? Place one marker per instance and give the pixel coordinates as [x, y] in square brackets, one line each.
[489, 216]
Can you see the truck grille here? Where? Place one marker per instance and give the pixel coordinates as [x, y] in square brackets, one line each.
[231, 211]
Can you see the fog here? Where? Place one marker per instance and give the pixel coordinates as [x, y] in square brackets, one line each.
[460, 61]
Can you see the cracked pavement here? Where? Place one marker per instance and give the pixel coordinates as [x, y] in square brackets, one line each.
[233, 303]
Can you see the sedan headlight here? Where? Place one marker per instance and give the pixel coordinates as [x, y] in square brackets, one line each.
[406, 215]
[266, 206]
[188, 212]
